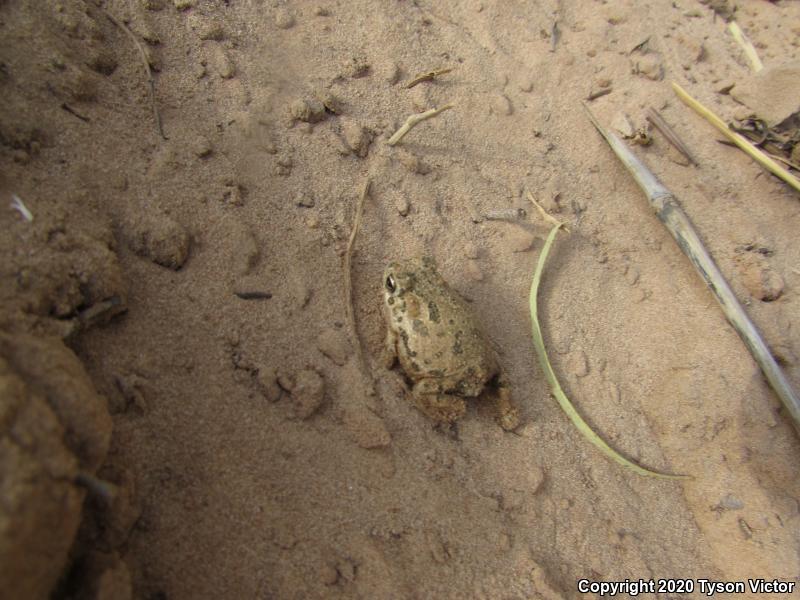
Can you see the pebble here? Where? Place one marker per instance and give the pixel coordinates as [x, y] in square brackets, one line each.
[201, 147]
[305, 200]
[520, 240]
[403, 205]
[622, 124]
[328, 575]
[730, 502]
[525, 84]
[358, 66]
[334, 344]
[308, 393]
[308, 110]
[346, 569]
[578, 363]
[206, 28]
[367, 429]
[760, 279]
[501, 105]
[284, 165]
[103, 62]
[632, 275]
[649, 66]
[504, 543]
[437, 548]
[355, 137]
[471, 250]
[390, 72]
[268, 383]
[330, 102]
[283, 19]
[411, 161]
[233, 195]
[472, 270]
[161, 239]
[222, 62]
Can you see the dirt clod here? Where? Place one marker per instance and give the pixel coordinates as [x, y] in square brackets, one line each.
[308, 393]
[159, 238]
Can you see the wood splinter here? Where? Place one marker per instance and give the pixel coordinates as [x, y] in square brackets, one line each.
[429, 76]
[659, 123]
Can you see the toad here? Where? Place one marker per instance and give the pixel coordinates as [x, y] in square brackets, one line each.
[439, 344]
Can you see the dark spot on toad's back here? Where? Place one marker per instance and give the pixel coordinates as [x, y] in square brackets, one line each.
[433, 312]
[419, 327]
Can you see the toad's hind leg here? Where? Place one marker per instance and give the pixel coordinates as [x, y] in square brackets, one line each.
[507, 413]
[442, 408]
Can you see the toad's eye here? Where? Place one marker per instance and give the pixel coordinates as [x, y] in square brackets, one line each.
[391, 285]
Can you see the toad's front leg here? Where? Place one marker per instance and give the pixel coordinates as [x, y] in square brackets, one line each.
[389, 354]
[507, 413]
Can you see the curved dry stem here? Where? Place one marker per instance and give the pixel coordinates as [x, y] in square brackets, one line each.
[555, 386]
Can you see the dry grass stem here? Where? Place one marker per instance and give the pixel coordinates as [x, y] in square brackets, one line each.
[755, 153]
[347, 275]
[429, 76]
[546, 215]
[151, 82]
[747, 46]
[413, 120]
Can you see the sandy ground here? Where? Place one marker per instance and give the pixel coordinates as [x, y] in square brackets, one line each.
[251, 459]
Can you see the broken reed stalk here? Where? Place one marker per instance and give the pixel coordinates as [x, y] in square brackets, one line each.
[675, 220]
[347, 268]
[659, 123]
[413, 120]
[151, 82]
[754, 152]
[749, 50]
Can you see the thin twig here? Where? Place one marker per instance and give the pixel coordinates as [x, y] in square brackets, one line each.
[756, 154]
[505, 214]
[659, 123]
[148, 72]
[747, 46]
[546, 215]
[599, 94]
[675, 220]
[413, 120]
[347, 268]
[74, 113]
[429, 76]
